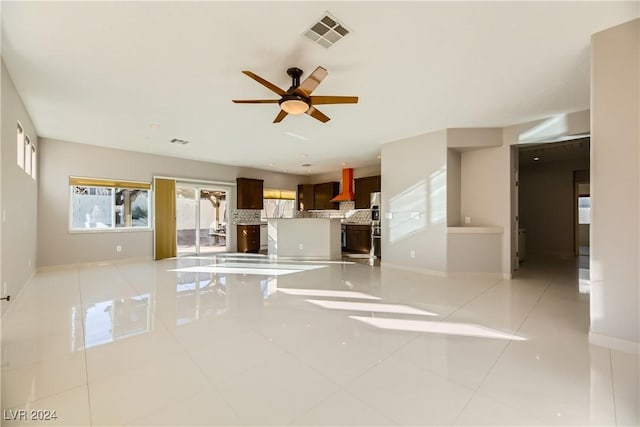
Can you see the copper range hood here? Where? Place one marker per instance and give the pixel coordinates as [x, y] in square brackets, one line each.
[347, 194]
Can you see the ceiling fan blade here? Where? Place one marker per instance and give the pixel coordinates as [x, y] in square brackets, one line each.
[281, 115]
[265, 83]
[312, 81]
[316, 114]
[318, 100]
[256, 101]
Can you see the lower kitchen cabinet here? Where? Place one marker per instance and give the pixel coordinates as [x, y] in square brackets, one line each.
[358, 238]
[248, 238]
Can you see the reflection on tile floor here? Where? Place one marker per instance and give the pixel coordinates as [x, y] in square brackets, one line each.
[244, 340]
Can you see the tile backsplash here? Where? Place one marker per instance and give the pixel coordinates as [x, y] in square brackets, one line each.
[245, 216]
[347, 212]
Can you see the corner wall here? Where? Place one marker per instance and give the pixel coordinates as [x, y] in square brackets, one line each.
[19, 192]
[414, 193]
[615, 186]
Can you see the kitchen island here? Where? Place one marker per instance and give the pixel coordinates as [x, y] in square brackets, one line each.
[305, 238]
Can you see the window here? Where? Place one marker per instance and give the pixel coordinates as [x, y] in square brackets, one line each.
[20, 146]
[584, 210]
[108, 205]
[27, 155]
[33, 161]
[278, 204]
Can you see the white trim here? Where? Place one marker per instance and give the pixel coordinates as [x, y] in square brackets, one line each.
[59, 267]
[614, 343]
[414, 269]
[485, 275]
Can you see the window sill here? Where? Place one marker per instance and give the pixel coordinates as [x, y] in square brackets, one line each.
[109, 230]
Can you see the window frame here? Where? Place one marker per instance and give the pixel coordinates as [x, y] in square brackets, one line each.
[27, 158]
[20, 135]
[114, 185]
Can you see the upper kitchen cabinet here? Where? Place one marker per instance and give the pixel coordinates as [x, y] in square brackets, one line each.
[323, 193]
[363, 189]
[306, 197]
[250, 193]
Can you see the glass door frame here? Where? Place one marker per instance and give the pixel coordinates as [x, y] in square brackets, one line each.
[198, 187]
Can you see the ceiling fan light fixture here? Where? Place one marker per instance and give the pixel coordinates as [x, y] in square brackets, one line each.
[294, 106]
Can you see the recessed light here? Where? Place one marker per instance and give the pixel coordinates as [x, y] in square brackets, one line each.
[344, 163]
[285, 171]
[535, 159]
[154, 126]
[304, 155]
[271, 164]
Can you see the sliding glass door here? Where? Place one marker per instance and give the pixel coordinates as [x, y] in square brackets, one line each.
[201, 219]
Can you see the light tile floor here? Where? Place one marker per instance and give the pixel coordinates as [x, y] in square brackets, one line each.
[212, 341]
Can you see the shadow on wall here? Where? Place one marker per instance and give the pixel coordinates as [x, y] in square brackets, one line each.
[420, 205]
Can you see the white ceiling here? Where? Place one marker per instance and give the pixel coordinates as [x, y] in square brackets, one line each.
[102, 73]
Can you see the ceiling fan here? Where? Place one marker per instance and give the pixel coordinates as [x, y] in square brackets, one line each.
[298, 99]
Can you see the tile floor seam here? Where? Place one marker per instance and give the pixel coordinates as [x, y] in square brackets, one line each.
[340, 387]
[506, 347]
[187, 354]
[49, 396]
[613, 388]
[472, 299]
[84, 349]
[216, 386]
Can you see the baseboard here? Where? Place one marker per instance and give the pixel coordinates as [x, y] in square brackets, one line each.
[92, 263]
[454, 274]
[614, 343]
[413, 269]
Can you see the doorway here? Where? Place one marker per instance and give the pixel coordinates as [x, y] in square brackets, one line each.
[201, 219]
[552, 182]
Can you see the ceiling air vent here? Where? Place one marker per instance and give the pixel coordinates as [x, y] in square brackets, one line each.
[179, 141]
[327, 31]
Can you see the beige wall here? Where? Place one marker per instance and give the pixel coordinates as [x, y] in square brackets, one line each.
[547, 207]
[19, 197]
[615, 185]
[482, 177]
[414, 192]
[61, 159]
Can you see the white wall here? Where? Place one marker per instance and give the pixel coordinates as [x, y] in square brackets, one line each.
[615, 185]
[414, 192]
[19, 196]
[61, 159]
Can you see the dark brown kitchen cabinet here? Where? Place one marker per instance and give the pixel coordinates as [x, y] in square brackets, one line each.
[358, 238]
[306, 197]
[323, 193]
[250, 193]
[248, 238]
[363, 189]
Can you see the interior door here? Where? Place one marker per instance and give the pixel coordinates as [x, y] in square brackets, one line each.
[165, 218]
